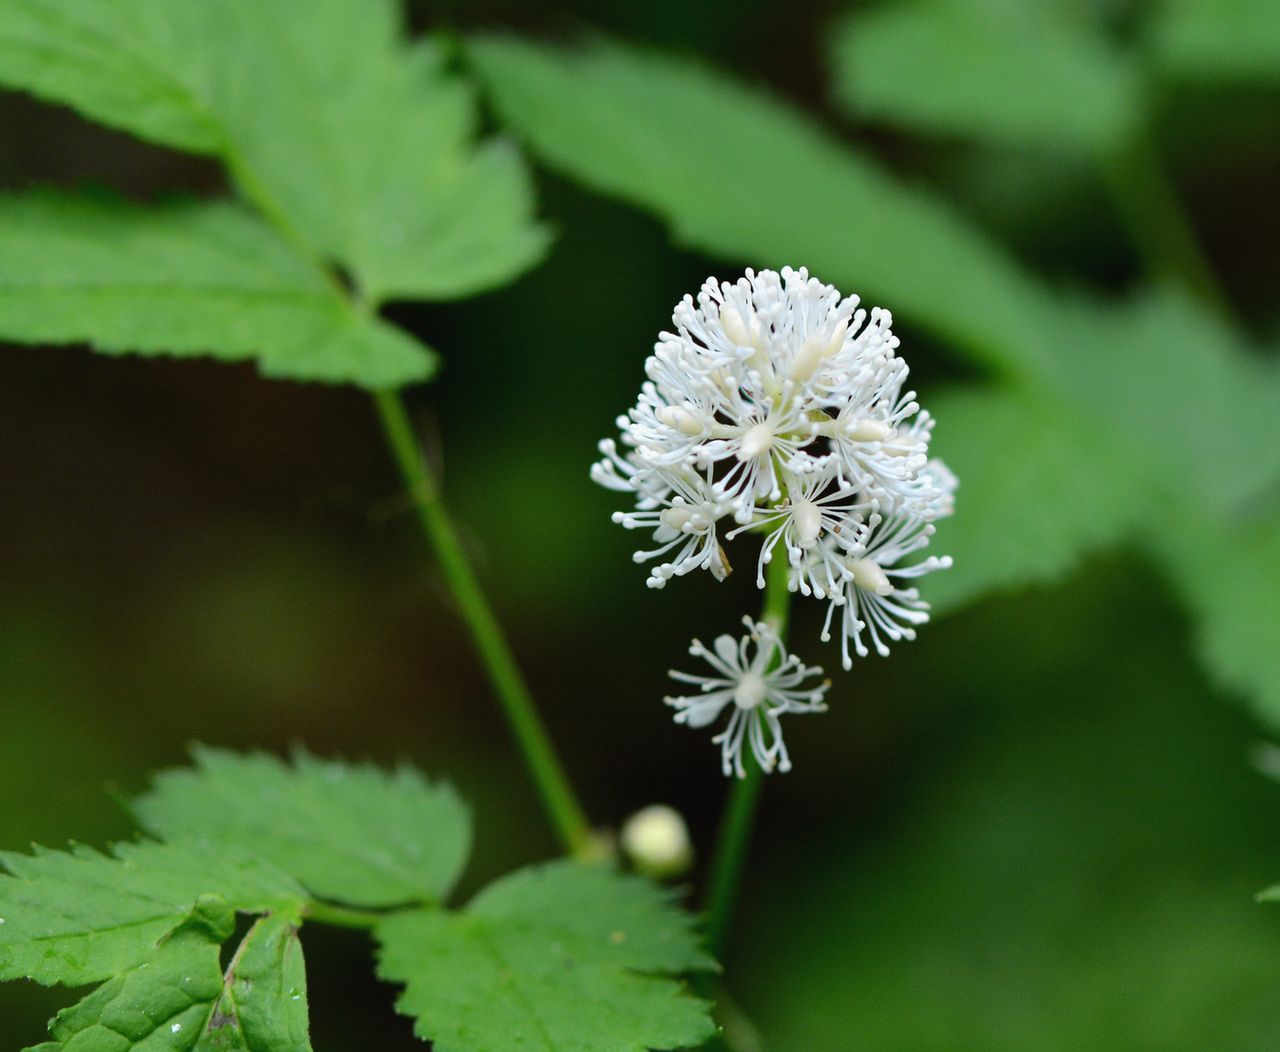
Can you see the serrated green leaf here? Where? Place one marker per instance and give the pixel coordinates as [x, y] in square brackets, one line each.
[361, 145]
[79, 916]
[1011, 73]
[350, 833]
[163, 1003]
[185, 279]
[1218, 40]
[115, 61]
[741, 175]
[263, 1006]
[1041, 485]
[179, 1000]
[559, 958]
[1228, 574]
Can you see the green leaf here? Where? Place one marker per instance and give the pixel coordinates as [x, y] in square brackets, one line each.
[264, 997]
[1220, 41]
[349, 833]
[1228, 576]
[185, 279]
[1010, 73]
[80, 916]
[180, 999]
[115, 61]
[558, 958]
[1181, 389]
[358, 143]
[741, 175]
[1041, 485]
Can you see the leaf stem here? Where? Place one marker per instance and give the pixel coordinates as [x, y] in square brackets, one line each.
[734, 838]
[1147, 203]
[341, 916]
[508, 684]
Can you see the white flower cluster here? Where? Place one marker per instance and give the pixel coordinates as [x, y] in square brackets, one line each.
[777, 407]
[761, 681]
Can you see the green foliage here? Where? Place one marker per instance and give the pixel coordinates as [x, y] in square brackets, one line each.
[740, 175]
[79, 916]
[1011, 73]
[350, 833]
[557, 958]
[1084, 832]
[180, 999]
[1181, 388]
[1227, 575]
[186, 279]
[1037, 461]
[1224, 40]
[1143, 407]
[263, 1004]
[358, 146]
[581, 953]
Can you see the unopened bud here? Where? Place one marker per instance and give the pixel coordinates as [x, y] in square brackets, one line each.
[870, 576]
[868, 431]
[656, 840]
[808, 519]
[676, 517]
[680, 418]
[757, 440]
[742, 331]
[815, 351]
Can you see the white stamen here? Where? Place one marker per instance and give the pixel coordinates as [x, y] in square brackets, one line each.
[868, 575]
[756, 441]
[868, 431]
[808, 518]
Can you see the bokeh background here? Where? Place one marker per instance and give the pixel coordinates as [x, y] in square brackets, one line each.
[1036, 828]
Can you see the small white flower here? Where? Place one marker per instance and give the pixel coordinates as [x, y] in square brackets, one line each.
[760, 681]
[873, 599]
[683, 518]
[778, 404]
[817, 506]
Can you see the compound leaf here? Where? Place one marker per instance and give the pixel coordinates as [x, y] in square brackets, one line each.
[359, 144]
[351, 833]
[80, 916]
[185, 279]
[558, 958]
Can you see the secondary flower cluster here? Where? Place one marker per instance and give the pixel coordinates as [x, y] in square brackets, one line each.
[761, 681]
[777, 408]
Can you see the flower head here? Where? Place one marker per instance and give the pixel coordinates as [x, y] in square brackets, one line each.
[779, 405]
[758, 681]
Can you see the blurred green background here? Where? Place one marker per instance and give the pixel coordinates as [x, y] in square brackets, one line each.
[1036, 828]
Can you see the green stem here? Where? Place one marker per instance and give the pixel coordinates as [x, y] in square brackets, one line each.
[341, 916]
[517, 703]
[1148, 205]
[734, 839]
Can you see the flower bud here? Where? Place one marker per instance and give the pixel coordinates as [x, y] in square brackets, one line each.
[656, 840]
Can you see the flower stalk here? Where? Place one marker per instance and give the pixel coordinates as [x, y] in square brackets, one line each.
[734, 839]
[562, 807]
